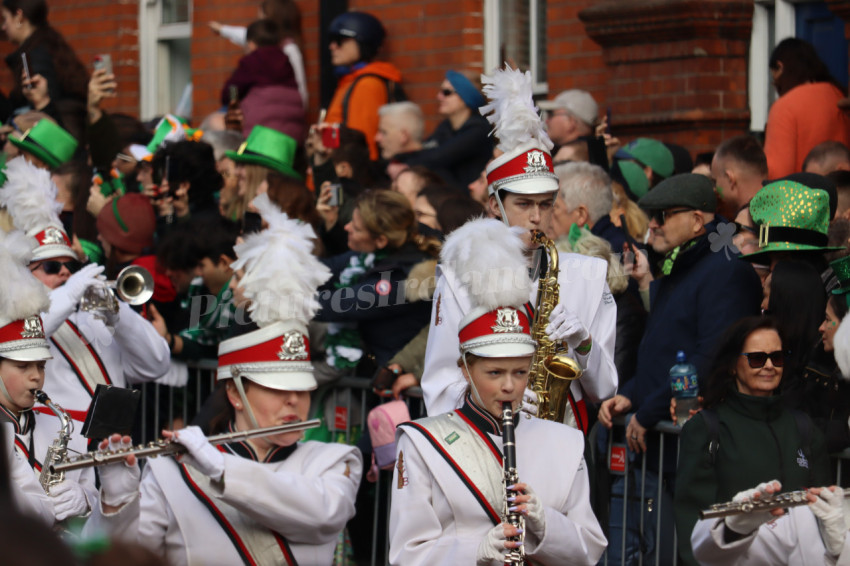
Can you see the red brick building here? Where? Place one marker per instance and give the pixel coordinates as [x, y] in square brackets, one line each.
[687, 71]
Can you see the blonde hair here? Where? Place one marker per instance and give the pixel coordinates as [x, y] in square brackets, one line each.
[388, 213]
[254, 176]
[637, 220]
[594, 246]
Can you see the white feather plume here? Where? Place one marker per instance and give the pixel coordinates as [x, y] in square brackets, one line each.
[512, 111]
[281, 272]
[488, 258]
[22, 294]
[30, 196]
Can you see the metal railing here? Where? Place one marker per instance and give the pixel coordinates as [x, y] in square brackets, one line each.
[164, 405]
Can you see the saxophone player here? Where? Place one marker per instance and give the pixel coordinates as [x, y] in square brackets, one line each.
[451, 503]
[522, 189]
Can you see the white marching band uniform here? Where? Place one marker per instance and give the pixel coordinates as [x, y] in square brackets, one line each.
[584, 291]
[86, 352]
[436, 518]
[28, 495]
[792, 539]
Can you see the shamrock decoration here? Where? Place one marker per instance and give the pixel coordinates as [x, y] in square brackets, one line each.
[722, 239]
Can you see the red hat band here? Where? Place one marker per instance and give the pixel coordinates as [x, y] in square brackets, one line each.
[24, 329]
[293, 346]
[502, 320]
[527, 164]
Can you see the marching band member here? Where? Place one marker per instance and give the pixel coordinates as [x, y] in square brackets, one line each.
[815, 534]
[271, 500]
[522, 188]
[23, 352]
[85, 350]
[448, 494]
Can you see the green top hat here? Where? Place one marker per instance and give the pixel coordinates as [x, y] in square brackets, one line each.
[841, 269]
[790, 217]
[268, 148]
[48, 141]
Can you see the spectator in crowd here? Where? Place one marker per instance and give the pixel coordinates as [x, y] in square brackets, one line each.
[456, 211]
[478, 188]
[287, 17]
[265, 86]
[223, 141]
[653, 156]
[625, 209]
[702, 163]
[48, 55]
[697, 284]
[585, 199]
[401, 126]
[428, 202]
[410, 181]
[746, 240]
[460, 147]
[572, 116]
[827, 157]
[806, 112]
[747, 418]
[738, 169]
[46, 145]
[841, 180]
[365, 84]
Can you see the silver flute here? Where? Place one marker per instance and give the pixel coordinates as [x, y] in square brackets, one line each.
[164, 447]
[778, 501]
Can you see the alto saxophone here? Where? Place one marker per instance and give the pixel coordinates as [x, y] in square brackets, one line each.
[515, 556]
[58, 451]
[552, 370]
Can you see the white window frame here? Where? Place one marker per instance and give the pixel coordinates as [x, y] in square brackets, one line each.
[154, 57]
[493, 40]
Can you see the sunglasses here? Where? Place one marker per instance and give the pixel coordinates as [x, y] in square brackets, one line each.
[447, 91]
[757, 360]
[661, 216]
[53, 267]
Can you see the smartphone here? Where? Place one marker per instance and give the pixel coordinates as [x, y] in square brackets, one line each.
[330, 136]
[234, 94]
[608, 120]
[104, 62]
[26, 71]
[336, 195]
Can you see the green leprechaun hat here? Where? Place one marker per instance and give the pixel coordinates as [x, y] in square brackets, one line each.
[48, 141]
[269, 148]
[791, 217]
[841, 270]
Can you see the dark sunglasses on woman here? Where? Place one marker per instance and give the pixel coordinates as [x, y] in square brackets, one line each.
[756, 360]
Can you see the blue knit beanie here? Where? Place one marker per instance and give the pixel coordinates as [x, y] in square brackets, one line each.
[470, 95]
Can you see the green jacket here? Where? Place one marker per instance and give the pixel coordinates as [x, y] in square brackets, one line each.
[759, 442]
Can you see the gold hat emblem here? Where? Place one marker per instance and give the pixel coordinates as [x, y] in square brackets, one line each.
[507, 320]
[293, 347]
[32, 328]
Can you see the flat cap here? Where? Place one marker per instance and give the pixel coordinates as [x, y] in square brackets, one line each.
[688, 189]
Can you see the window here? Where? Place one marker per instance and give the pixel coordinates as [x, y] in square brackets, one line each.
[165, 31]
[516, 30]
[775, 20]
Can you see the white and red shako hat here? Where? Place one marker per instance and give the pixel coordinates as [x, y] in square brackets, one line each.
[526, 170]
[504, 332]
[23, 340]
[275, 356]
[53, 242]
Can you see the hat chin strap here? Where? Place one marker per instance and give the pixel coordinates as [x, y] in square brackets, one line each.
[237, 381]
[504, 217]
[474, 389]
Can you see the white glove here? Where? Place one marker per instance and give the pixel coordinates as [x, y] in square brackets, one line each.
[69, 500]
[746, 523]
[77, 284]
[202, 455]
[829, 510]
[529, 402]
[535, 518]
[565, 326]
[491, 551]
[119, 483]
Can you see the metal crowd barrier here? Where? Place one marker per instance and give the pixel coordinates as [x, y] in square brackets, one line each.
[169, 406]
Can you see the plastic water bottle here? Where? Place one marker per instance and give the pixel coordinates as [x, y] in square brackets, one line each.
[683, 383]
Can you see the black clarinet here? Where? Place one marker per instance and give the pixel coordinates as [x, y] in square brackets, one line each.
[515, 556]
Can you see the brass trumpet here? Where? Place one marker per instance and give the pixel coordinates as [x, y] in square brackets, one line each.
[778, 501]
[134, 286]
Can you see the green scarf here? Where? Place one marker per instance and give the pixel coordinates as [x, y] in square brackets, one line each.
[673, 254]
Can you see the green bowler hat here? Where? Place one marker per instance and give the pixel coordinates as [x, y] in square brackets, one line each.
[269, 148]
[47, 141]
[791, 217]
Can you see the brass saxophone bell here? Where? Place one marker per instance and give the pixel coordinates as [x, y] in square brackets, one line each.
[561, 366]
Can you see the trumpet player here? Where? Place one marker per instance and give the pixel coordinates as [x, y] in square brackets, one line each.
[86, 351]
[813, 534]
[451, 500]
[522, 189]
[272, 500]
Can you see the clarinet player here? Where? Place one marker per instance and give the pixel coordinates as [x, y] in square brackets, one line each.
[450, 500]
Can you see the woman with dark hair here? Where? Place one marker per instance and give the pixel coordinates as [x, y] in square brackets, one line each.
[49, 55]
[806, 112]
[744, 435]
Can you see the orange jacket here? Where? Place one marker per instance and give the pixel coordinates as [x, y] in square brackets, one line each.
[799, 120]
[370, 93]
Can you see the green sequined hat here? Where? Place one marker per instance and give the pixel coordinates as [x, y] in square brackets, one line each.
[841, 269]
[791, 217]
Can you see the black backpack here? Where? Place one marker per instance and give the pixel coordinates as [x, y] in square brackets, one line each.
[395, 92]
